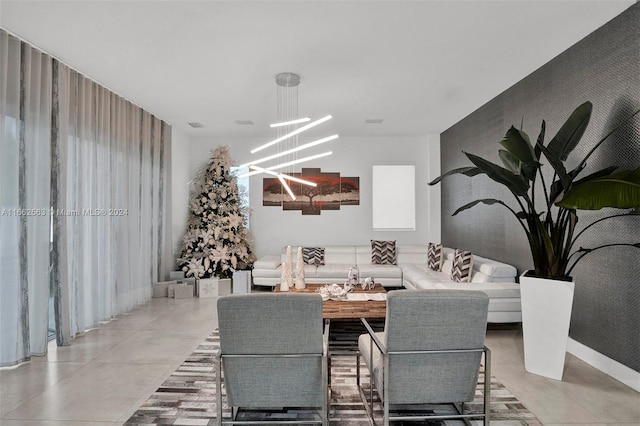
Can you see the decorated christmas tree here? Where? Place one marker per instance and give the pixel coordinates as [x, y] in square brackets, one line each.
[216, 241]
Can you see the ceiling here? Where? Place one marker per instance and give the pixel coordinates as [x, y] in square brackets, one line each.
[421, 66]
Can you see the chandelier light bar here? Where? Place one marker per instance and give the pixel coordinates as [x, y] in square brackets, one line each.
[289, 123]
[295, 132]
[261, 170]
[292, 150]
[281, 179]
[295, 179]
[300, 160]
[281, 165]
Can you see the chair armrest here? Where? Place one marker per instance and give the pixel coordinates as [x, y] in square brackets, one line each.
[325, 338]
[372, 333]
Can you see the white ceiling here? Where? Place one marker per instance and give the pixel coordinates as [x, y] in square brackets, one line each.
[420, 65]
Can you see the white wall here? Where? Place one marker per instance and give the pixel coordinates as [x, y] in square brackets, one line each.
[274, 228]
[433, 192]
[181, 174]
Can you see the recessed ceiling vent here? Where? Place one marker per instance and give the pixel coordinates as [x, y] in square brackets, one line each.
[244, 122]
[196, 125]
[373, 120]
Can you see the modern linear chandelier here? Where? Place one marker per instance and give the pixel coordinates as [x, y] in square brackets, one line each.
[288, 126]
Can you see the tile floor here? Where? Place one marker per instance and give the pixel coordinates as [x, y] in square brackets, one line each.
[106, 374]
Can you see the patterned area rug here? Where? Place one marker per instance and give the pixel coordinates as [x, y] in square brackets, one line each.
[188, 396]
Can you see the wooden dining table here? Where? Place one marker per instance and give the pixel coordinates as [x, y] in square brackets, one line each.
[350, 309]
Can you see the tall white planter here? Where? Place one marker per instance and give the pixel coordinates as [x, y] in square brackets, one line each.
[546, 313]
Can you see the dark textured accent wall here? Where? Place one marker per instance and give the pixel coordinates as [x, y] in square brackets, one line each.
[603, 68]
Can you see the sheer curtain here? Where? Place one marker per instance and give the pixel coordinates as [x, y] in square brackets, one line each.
[109, 152]
[82, 201]
[25, 120]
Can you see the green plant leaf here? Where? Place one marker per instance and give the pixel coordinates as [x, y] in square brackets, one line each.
[515, 183]
[619, 190]
[556, 191]
[540, 142]
[558, 166]
[510, 161]
[487, 201]
[571, 132]
[601, 173]
[467, 171]
[557, 186]
[517, 143]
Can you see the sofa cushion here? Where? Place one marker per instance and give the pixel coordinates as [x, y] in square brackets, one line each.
[493, 290]
[313, 255]
[413, 271]
[462, 266]
[337, 271]
[267, 262]
[494, 268]
[267, 273]
[383, 252]
[411, 253]
[420, 276]
[434, 256]
[379, 271]
[340, 255]
[447, 267]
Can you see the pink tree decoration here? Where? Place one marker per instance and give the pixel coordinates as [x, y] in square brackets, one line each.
[288, 269]
[300, 284]
[284, 286]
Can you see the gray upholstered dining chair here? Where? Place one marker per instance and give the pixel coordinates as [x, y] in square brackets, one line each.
[429, 353]
[273, 354]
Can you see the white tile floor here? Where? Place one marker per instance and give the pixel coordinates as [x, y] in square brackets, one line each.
[104, 376]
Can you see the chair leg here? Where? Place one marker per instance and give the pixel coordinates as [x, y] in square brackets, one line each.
[218, 391]
[487, 386]
[327, 409]
[326, 379]
[368, 408]
[358, 368]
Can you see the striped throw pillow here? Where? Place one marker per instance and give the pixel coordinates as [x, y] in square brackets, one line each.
[462, 267]
[313, 255]
[434, 256]
[383, 252]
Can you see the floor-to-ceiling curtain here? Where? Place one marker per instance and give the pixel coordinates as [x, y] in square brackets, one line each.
[83, 197]
[25, 122]
[108, 150]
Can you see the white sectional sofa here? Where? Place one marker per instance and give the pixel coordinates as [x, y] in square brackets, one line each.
[496, 279]
[337, 261]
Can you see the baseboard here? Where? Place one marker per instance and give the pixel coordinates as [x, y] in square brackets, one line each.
[613, 368]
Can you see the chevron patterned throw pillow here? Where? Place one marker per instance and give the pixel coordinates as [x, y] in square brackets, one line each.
[313, 255]
[383, 252]
[434, 256]
[462, 266]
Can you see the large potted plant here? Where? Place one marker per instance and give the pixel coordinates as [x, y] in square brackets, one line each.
[546, 206]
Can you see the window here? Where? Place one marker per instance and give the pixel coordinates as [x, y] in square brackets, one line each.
[243, 190]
